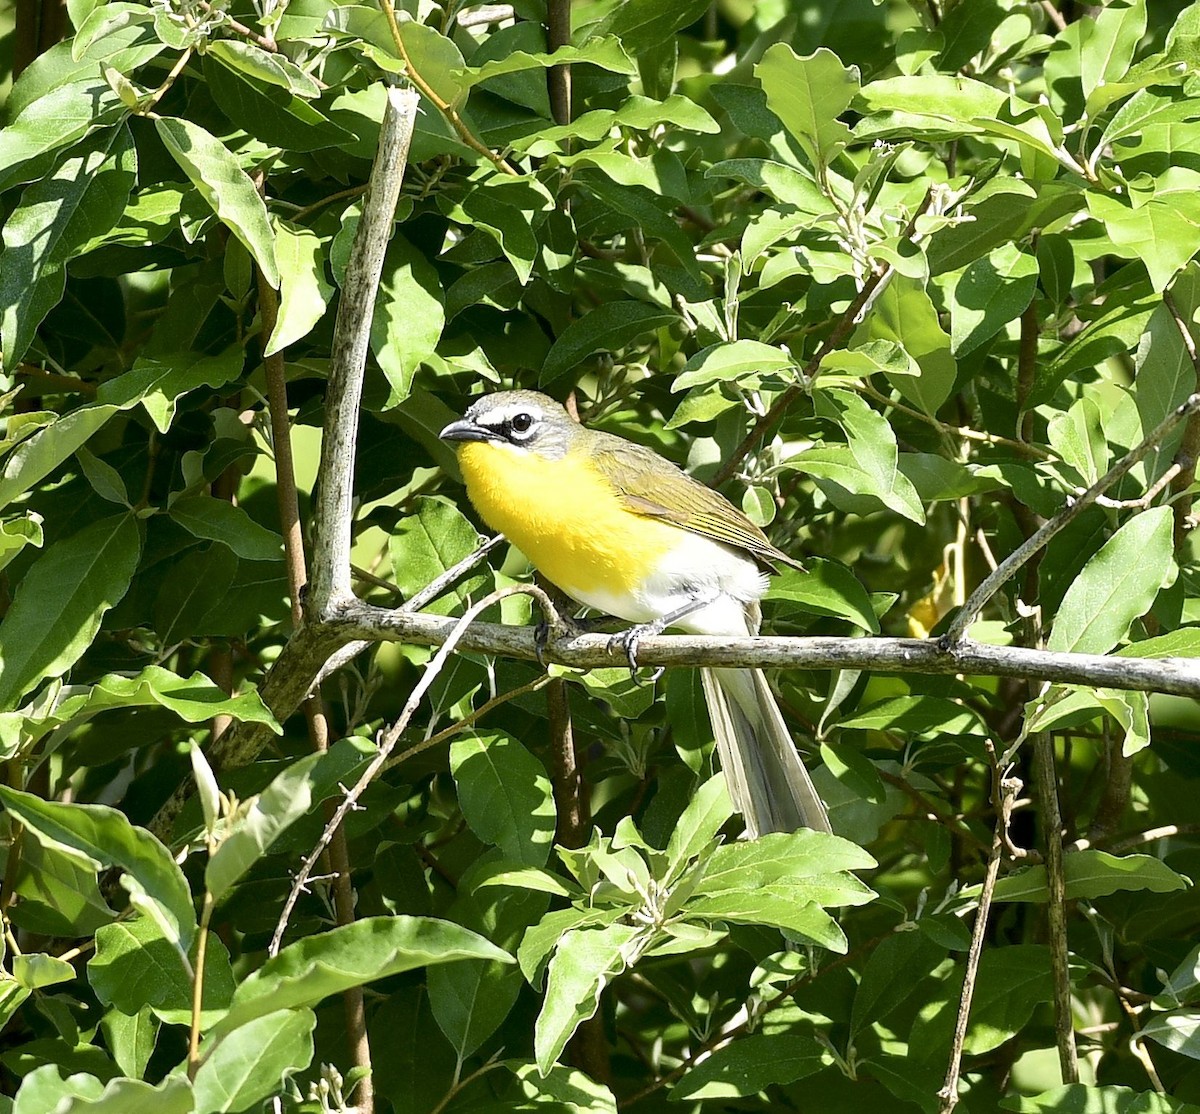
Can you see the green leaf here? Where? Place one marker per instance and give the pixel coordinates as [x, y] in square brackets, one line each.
[131, 1039]
[867, 465]
[268, 110]
[424, 545]
[313, 968]
[288, 798]
[194, 699]
[225, 187]
[641, 24]
[1088, 1098]
[808, 94]
[991, 292]
[1178, 1030]
[156, 884]
[1106, 46]
[1145, 109]
[916, 715]
[158, 382]
[1165, 376]
[136, 967]
[37, 456]
[604, 52]
[35, 970]
[44, 1089]
[83, 197]
[1092, 874]
[275, 68]
[890, 975]
[409, 316]
[131, 1096]
[1116, 586]
[106, 481]
[1182, 643]
[812, 865]
[17, 533]
[705, 815]
[608, 328]
[905, 315]
[62, 115]
[221, 521]
[826, 588]
[561, 1088]
[253, 1062]
[781, 907]
[61, 601]
[505, 795]
[60, 893]
[304, 291]
[1078, 437]
[751, 1064]
[585, 961]
[784, 183]
[1164, 233]
[730, 361]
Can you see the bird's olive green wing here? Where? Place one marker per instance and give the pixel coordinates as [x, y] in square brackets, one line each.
[653, 486]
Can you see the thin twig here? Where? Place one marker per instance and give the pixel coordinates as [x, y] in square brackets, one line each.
[468, 720]
[443, 106]
[965, 432]
[1046, 786]
[1004, 794]
[388, 743]
[444, 581]
[193, 1056]
[1009, 566]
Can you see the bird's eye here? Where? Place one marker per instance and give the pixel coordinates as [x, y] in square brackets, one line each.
[522, 423]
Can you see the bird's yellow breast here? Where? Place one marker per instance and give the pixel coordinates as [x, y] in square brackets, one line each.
[566, 517]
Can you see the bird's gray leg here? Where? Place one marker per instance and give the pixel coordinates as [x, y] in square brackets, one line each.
[627, 640]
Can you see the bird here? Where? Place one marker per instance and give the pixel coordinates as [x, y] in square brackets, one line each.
[620, 529]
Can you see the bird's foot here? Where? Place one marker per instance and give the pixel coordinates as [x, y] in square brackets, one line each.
[626, 642]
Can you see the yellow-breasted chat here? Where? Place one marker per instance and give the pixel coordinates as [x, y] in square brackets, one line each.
[622, 530]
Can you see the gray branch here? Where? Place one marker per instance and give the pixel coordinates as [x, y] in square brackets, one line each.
[354, 619]
[333, 513]
[1009, 566]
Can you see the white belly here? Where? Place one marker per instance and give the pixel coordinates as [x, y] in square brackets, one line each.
[698, 568]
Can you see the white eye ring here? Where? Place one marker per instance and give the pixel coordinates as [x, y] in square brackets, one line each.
[521, 424]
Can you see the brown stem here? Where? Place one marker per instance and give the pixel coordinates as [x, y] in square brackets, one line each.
[314, 709]
[569, 799]
[588, 1049]
[558, 78]
[193, 1057]
[1046, 785]
[1027, 369]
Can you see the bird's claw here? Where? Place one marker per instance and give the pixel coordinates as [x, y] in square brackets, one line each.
[626, 642]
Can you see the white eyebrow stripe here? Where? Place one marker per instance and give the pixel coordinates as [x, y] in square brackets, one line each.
[502, 414]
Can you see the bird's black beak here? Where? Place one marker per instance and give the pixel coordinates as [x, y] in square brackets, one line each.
[465, 430]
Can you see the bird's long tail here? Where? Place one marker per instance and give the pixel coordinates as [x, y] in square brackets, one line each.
[767, 781]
